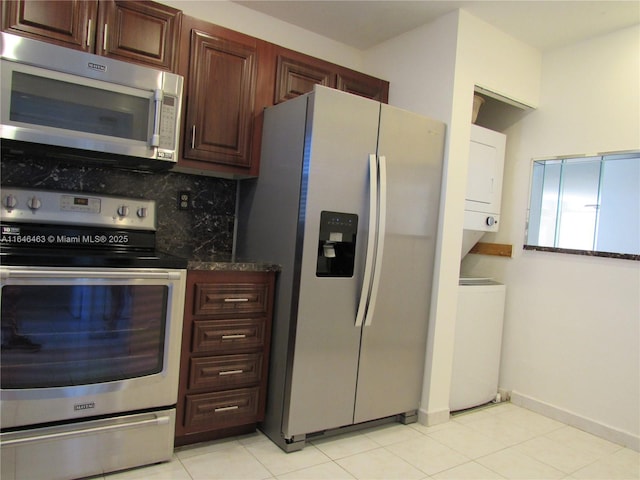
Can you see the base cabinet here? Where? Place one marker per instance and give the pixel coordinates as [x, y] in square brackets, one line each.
[225, 354]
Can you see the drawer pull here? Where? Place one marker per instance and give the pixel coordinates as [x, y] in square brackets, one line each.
[226, 409]
[237, 335]
[231, 372]
[235, 300]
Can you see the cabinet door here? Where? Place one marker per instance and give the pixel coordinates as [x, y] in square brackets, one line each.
[363, 85]
[221, 82]
[297, 74]
[140, 32]
[295, 77]
[69, 23]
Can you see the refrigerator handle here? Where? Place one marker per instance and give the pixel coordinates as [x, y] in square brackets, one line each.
[371, 239]
[382, 225]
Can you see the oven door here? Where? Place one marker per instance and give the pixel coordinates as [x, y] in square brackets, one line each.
[88, 342]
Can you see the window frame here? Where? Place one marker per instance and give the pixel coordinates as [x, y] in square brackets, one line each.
[601, 157]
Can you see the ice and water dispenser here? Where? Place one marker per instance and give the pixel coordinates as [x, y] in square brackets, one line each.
[336, 244]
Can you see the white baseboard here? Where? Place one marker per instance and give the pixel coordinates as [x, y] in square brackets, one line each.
[433, 418]
[594, 427]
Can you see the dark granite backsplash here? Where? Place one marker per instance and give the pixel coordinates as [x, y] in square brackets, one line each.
[203, 232]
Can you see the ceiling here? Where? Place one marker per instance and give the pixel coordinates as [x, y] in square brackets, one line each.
[543, 24]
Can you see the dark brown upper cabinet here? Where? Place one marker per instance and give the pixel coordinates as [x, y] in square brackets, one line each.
[297, 73]
[297, 77]
[363, 85]
[220, 68]
[142, 32]
[67, 23]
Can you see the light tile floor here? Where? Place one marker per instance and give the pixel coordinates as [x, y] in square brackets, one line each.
[498, 442]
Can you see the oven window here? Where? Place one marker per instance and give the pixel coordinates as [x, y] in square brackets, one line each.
[53, 103]
[61, 335]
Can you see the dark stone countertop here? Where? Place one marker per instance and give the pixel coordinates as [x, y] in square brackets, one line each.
[226, 263]
[586, 253]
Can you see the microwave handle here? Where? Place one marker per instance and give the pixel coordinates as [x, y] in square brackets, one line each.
[157, 101]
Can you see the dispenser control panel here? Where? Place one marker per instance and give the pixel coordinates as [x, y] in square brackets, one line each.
[336, 244]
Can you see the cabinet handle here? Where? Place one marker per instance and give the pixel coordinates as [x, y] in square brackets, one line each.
[235, 300]
[226, 409]
[193, 137]
[89, 33]
[237, 335]
[104, 38]
[230, 372]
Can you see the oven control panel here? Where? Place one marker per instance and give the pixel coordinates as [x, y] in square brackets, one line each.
[76, 208]
[80, 203]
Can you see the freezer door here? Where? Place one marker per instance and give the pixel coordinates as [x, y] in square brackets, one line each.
[341, 134]
[393, 345]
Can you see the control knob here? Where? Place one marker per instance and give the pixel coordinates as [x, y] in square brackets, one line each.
[142, 212]
[10, 201]
[123, 211]
[491, 221]
[34, 203]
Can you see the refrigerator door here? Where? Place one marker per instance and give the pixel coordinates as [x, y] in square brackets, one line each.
[393, 343]
[341, 133]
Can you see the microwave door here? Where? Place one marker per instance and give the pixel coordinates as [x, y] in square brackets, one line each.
[54, 108]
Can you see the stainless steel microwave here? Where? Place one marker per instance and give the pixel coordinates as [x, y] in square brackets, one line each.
[65, 102]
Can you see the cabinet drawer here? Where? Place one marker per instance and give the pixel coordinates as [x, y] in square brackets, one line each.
[222, 408]
[220, 336]
[231, 298]
[226, 371]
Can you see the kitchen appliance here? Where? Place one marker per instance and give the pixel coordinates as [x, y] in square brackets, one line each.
[80, 106]
[478, 343]
[483, 196]
[347, 203]
[91, 317]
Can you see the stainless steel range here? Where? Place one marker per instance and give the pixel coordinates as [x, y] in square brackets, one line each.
[91, 318]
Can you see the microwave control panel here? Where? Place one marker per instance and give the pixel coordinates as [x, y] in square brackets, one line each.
[168, 113]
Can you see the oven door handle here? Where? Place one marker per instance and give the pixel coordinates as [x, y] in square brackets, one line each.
[111, 275]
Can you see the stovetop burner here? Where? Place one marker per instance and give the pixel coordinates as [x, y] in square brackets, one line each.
[71, 229]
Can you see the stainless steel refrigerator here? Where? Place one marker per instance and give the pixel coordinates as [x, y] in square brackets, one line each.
[347, 203]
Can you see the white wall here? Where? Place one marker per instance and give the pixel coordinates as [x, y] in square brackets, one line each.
[571, 345]
[256, 24]
[433, 70]
[421, 68]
